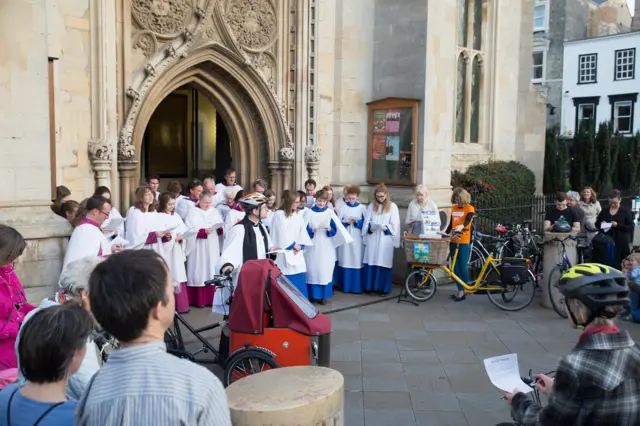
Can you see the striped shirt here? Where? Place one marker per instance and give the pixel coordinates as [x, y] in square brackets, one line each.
[144, 385]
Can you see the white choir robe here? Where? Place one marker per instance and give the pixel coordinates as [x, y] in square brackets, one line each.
[87, 240]
[311, 201]
[171, 251]
[269, 219]
[350, 256]
[339, 203]
[224, 210]
[202, 259]
[304, 212]
[231, 219]
[114, 214]
[232, 254]
[321, 257]
[183, 206]
[220, 188]
[379, 247]
[139, 225]
[286, 232]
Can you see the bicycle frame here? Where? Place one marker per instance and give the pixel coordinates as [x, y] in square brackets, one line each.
[206, 346]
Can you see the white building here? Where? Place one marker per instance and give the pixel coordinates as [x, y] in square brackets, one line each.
[600, 83]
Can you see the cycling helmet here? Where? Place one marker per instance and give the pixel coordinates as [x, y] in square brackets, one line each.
[595, 285]
[562, 227]
[252, 201]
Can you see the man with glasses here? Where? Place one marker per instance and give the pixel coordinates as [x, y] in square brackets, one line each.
[87, 239]
[561, 213]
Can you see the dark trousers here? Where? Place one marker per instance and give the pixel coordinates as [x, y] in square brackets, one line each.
[461, 268]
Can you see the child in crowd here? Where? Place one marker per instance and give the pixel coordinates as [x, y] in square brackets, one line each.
[329, 190]
[310, 187]
[303, 209]
[349, 270]
[632, 270]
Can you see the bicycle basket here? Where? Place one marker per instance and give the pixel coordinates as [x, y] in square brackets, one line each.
[513, 271]
[426, 250]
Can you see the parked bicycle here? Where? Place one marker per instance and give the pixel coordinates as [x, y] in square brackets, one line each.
[556, 297]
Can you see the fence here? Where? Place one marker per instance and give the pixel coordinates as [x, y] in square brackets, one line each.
[493, 211]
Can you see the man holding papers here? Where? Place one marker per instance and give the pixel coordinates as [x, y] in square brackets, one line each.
[204, 252]
[88, 239]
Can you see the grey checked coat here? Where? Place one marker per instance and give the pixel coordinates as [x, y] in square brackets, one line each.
[598, 383]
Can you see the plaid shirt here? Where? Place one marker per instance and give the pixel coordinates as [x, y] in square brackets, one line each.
[598, 383]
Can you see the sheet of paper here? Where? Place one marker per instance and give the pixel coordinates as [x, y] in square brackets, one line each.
[218, 226]
[293, 259]
[113, 223]
[119, 240]
[278, 251]
[190, 233]
[166, 231]
[504, 373]
[605, 226]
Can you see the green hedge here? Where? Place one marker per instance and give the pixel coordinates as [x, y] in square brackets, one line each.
[496, 179]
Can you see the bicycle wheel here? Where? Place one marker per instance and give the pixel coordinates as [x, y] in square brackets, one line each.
[517, 297]
[476, 262]
[246, 363]
[556, 298]
[421, 285]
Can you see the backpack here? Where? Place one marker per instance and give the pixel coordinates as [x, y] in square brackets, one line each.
[604, 250]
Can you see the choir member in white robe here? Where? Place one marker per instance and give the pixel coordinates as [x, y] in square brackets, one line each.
[107, 226]
[172, 247]
[422, 203]
[229, 195]
[289, 232]
[327, 234]
[229, 182]
[350, 256]
[87, 238]
[310, 188]
[185, 204]
[302, 206]
[329, 190]
[247, 240]
[235, 214]
[141, 228]
[381, 232]
[202, 259]
[340, 201]
[270, 202]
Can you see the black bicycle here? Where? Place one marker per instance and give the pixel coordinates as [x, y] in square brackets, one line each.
[556, 298]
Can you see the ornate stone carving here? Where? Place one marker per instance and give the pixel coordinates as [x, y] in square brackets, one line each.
[253, 22]
[147, 43]
[126, 150]
[133, 93]
[150, 70]
[100, 151]
[170, 52]
[165, 18]
[266, 66]
[312, 154]
[286, 154]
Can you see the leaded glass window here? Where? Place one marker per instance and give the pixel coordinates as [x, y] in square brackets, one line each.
[461, 98]
[476, 81]
[477, 24]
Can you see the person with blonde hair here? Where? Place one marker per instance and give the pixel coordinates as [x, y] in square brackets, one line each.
[421, 203]
[351, 213]
[590, 206]
[381, 236]
[462, 213]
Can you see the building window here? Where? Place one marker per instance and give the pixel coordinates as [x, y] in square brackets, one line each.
[540, 17]
[586, 113]
[588, 68]
[622, 110]
[537, 67]
[625, 64]
[469, 82]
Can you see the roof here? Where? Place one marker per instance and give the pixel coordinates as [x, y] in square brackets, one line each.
[620, 35]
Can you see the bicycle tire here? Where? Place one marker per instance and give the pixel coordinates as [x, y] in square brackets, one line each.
[556, 298]
[415, 293]
[476, 262]
[496, 298]
[242, 360]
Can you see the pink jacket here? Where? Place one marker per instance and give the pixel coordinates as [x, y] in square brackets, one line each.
[13, 308]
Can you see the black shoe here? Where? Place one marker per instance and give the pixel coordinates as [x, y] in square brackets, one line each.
[459, 299]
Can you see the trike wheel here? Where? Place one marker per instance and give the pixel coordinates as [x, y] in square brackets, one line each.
[421, 285]
[246, 363]
[556, 298]
[515, 296]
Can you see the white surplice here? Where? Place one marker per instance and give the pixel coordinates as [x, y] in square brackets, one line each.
[269, 219]
[231, 219]
[202, 259]
[139, 225]
[379, 247]
[114, 214]
[173, 253]
[224, 210]
[285, 232]
[221, 187]
[351, 255]
[321, 257]
[87, 240]
[232, 253]
[183, 206]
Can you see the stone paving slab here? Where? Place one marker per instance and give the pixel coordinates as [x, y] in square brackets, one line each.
[422, 365]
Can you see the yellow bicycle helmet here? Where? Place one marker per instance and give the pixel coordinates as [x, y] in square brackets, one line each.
[595, 285]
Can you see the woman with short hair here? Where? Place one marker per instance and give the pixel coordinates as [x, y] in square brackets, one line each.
[51, 350]
[462, 214]
[421, 203]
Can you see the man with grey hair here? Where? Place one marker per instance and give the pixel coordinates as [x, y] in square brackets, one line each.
[209, 185]
[73, 285]
[572, 201]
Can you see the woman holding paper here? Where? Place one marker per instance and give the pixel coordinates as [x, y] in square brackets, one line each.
[172, 247]
[140, 219]
[420, 204]
[290, 232]
[350, 256]
[381, 235]
[202, 259]
[616, 221]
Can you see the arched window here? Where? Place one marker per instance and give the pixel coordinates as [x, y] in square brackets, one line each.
[472, 16]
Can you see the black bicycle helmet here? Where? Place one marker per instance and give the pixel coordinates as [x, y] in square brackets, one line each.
[252, 201]
[595, 285]
[562, 227]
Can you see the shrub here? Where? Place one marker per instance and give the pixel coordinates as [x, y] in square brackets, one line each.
[496, 179]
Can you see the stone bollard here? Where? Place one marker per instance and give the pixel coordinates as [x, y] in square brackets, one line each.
[553, 257]
[292, 396]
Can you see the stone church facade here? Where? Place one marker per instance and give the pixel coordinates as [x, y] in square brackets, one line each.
[291, 79]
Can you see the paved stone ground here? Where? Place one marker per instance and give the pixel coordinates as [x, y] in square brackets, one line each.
[408, 365]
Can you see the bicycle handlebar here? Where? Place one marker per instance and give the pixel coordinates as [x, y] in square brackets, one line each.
[218, 280]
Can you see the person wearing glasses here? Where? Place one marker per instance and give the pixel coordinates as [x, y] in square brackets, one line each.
[87, 238]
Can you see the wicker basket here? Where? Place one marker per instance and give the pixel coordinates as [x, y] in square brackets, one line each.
[432, 251]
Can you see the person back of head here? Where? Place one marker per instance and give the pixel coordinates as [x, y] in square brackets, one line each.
[131, 296]
[12, 245]
[74, 280]
[53, 343]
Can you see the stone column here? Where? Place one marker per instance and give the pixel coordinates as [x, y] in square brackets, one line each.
[312, 159]
[274, 177]
[306, 396]
[287, 156]
[101, 156]
[127, 171]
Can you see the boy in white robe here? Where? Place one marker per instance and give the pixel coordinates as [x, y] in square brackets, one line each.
[349, 270]
[247, 240]
[310, 187]
[202, 259]
[87, 238]
[327, 233]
